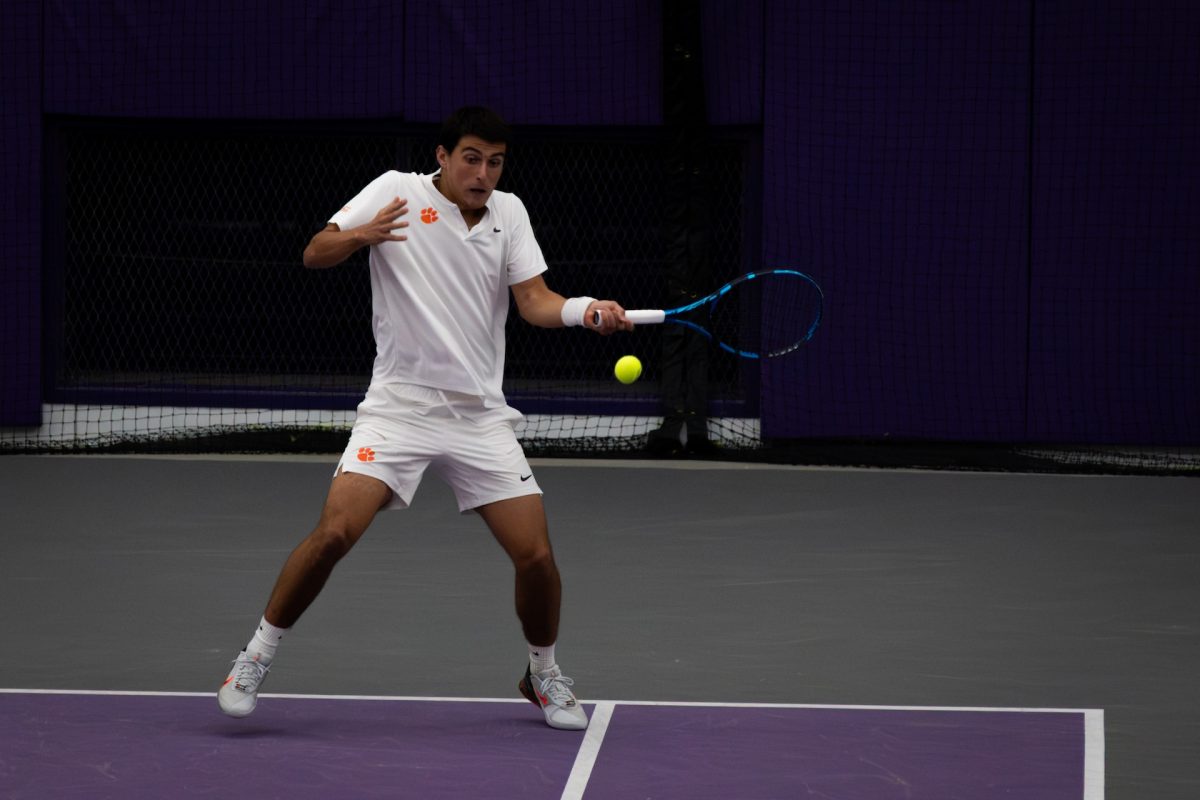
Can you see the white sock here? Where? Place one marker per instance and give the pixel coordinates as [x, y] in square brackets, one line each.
[541, 658]
[265, 640]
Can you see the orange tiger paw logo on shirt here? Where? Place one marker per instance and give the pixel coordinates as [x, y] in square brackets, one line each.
[366, 454]
[429, 215]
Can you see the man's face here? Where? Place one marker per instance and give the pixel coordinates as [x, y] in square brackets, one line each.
[470, 173]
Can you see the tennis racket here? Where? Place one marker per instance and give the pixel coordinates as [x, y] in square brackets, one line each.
[757, 315]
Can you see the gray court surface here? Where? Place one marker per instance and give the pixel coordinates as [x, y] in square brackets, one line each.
[719, 584]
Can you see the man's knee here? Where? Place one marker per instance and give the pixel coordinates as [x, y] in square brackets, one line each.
[536, 559]
[332, 539]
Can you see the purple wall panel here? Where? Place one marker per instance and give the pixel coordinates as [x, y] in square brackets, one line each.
[1115, 333]
[897, 170]
[272, 60]
[895, 160]
[732, 41]
[21, 210]
[543, 62]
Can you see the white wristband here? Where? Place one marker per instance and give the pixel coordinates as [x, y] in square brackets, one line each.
[574, 309]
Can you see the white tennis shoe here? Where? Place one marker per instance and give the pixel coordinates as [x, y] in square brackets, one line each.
[551, 691]
[239, 693]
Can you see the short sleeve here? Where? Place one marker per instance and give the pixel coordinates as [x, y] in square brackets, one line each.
[363, 207]
[525, 259]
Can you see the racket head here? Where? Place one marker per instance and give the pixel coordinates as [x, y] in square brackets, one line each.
[764, 314]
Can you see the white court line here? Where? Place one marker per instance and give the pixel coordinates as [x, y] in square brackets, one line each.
[672, 703]
[1093, 755]
[389, 697]
[585, 760]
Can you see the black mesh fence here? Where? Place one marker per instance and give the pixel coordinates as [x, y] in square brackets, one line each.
[179, 317]
[183, 319]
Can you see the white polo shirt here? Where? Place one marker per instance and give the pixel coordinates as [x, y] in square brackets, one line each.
[440, 299]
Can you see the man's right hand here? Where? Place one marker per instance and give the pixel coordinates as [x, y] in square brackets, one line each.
[381, 228]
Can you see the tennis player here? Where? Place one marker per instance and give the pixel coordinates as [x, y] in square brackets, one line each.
[445, 250]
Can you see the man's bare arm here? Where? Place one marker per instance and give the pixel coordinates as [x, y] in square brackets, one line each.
[540, 305]
[333, 245]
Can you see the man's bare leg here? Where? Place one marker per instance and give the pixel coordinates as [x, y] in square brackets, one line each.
[352, 503]
[519, 525]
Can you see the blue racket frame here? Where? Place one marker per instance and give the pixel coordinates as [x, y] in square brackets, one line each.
[711, 300]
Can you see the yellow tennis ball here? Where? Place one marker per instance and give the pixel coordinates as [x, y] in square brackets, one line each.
[628, 369]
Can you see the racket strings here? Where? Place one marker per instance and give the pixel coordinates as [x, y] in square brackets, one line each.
[768, 316]
[791, 310]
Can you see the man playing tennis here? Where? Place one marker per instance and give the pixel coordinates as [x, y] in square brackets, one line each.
[440, 279]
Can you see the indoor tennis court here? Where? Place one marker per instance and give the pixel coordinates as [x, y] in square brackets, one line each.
[891, 493]
[752, 632]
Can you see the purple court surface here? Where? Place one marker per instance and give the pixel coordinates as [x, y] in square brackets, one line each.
[116, 745]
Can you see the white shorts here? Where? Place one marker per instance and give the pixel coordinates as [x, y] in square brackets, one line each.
[401, 429]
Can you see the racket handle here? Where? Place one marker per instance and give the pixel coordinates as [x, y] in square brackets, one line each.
[645, 316]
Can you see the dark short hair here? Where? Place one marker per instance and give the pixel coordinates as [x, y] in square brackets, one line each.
[473, 121]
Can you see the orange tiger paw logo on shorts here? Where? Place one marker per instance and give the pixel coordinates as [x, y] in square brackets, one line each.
[366, 454]
[429, 215]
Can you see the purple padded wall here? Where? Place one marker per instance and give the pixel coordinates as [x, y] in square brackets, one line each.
[903, 144]
[895, 172]
[272, 60]
[732, 44]
[1115, 333]
[21, 210]
[544, 62]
